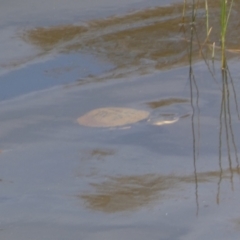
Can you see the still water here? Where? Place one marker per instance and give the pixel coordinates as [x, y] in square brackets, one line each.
[63, 180]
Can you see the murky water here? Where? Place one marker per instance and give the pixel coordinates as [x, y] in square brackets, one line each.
[64, 180]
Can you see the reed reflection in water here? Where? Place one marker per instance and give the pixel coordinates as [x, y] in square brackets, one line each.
[226, 132]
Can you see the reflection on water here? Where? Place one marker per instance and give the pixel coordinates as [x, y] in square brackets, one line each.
[102, 153]
[48, 38]
[226, 133]
[128, 193]
[139, 41]
[227, 142]
[166, 102]
[98, 154]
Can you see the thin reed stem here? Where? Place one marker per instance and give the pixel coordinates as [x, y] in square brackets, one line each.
[225, 15]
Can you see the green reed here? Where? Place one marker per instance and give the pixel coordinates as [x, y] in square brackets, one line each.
[225, 14]
[207, 16]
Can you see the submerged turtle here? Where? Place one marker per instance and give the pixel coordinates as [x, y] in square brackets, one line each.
[118, 117]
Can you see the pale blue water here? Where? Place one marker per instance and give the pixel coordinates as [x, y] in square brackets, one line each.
[63, 181]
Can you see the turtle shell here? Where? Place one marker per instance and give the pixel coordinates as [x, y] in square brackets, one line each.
[112, 117]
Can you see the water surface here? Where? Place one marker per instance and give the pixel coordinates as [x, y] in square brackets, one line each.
[61, 180]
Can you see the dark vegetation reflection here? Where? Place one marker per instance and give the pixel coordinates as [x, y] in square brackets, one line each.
[226, 129]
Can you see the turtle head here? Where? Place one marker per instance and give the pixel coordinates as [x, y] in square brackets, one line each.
[163, 119]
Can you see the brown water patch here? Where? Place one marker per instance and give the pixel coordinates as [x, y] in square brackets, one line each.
[128, 193]
[47, 38]
[93, 156]
[151, 38]
[99, 153]
[166, 102]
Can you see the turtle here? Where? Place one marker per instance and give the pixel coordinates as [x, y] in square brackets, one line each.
[122, 117]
